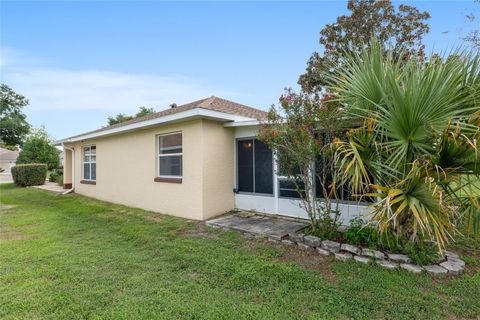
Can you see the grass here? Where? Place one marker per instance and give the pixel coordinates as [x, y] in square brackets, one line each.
[472, 190]
[74, 257]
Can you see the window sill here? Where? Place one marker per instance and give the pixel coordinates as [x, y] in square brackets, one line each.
[246, 193]
[88, 182]
[168, 180]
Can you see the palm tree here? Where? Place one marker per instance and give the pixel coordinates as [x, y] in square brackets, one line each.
[417, 150]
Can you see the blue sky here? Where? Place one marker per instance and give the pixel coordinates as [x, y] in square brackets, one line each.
[79, 62]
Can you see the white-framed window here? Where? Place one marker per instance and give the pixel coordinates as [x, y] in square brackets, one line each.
[90, 163]
[170, 154]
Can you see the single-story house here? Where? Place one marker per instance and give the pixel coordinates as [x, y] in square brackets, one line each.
[196, 161]
[8, 158]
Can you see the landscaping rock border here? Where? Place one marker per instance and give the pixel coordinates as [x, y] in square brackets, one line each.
[450, 265]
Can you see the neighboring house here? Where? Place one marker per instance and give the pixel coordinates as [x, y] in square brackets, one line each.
[196, 161]
[8, 158]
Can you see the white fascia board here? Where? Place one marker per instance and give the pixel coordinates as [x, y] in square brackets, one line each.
[246, 123]
[192, 113]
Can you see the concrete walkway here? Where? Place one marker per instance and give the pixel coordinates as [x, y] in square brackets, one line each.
[262, 225]
[5, 178]
[52, 187]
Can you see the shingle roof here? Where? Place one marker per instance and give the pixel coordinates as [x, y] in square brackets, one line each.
[212, 103]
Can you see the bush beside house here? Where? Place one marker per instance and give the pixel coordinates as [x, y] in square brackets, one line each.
[56, 176]
[29, 174]
[39, 149]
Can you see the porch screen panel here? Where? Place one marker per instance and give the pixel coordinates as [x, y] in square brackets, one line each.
[288, 188]
[342, 192]
[245, 165]
[263, 168]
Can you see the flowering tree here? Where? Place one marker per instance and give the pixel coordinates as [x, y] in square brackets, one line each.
[300, 131]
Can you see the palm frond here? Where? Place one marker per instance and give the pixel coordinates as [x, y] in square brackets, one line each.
[419, 139]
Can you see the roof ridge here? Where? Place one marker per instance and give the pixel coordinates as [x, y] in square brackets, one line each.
[207, 102]
[211, 103]
[243, 105]
[148, 116]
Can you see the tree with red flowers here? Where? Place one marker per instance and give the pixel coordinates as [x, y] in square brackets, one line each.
[300, 130]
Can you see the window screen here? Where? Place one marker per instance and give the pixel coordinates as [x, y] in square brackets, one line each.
[288, 188]
[263, 168]
[245, 165]
[254, 167]
[170, 155]
[342, 192]
[90, 163]
[287, 167]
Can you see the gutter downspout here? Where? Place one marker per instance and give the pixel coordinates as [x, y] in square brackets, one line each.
[73, 167]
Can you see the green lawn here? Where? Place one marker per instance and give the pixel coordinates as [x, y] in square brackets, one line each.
[472, 190]
[73, 257]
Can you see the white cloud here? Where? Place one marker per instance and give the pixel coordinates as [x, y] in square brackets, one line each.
[10, 57]
[61, 89]
[73, 90]
[7, 56]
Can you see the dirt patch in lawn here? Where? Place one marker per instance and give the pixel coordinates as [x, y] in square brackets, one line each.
[5, 207]
[31, 226]
[121, 212]
[7, 233]
[200, 230]
[472, 260]
[154, 218]
[309, 259]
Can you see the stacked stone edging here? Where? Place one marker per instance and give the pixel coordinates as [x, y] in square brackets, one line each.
[451, 265]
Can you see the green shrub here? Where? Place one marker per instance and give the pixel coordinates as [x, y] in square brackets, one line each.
[39, 149]
[59, 180]
[53, 176]
[358, 233]
[33, 174]
[56, 175]
[421, 253]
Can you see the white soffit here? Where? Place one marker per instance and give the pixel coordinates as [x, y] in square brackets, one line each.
[180, 116]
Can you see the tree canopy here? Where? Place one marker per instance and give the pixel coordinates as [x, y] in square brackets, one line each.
[38, 148]
[473, 37]
[400, 30]
[121, 117]
[13, 124]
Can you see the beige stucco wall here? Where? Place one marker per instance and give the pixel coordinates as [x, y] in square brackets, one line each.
[67, 166]
[127, 166]
[218, 159]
